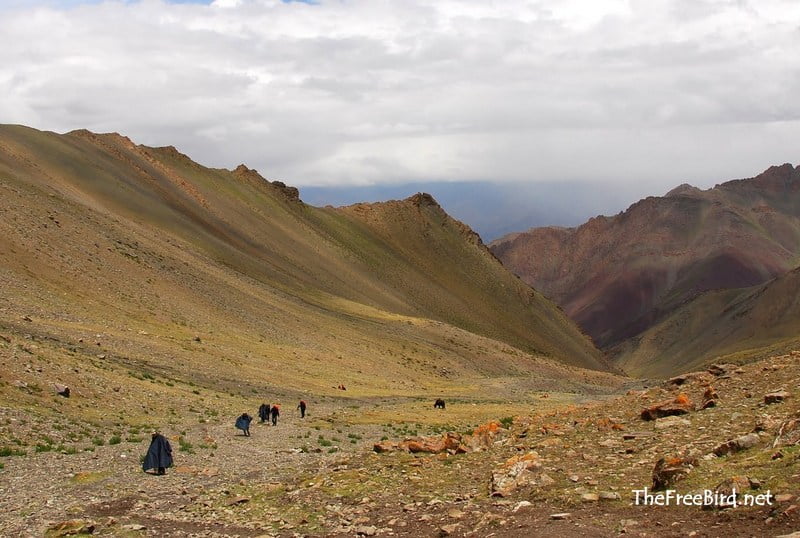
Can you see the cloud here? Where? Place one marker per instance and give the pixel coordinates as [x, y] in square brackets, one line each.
[360, 92]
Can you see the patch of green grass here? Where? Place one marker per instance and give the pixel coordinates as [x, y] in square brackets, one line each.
[98, 441]
[185, 446]
[115, 440]
[43, 447]
[7, 451]
[133, 439]
[507, 422]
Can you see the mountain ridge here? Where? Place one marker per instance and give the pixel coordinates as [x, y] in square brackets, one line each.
[617, 276]
[144, 246]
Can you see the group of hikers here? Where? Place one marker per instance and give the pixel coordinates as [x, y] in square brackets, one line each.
[159, 454]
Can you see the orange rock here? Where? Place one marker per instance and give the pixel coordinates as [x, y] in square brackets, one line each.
[681, 405]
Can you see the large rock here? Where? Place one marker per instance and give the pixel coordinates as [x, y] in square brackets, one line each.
[71, 527]
[776, 397]
[667, 471]
[681, 405]
[721, 369]
[710, 398]
[728, 490]
[518, 471]
[481, 438]
[671, 422]
[788, 433]
[691, 377]
[738, 444]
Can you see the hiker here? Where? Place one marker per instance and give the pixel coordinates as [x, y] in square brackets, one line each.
[302, 408]
[159, 455]
[438, 404]
[243, 423]
[275, 411]
[263, 412]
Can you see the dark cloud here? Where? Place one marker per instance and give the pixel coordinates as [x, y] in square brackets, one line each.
[364, 92]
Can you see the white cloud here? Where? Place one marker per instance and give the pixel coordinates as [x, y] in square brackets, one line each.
[358, 91]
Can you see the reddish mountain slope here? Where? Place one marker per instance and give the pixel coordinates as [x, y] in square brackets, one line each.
[723, 325]
[617, 276]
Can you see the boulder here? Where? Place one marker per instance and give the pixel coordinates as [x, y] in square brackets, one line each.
[738, 444]
[728, 490]
[671, 422]
[667, 471]
[788, 433]
[710, 398]
[71, 527]
[776, 397]
[683, 379]
[721, 369]
[518, 471]
[387, 446]
[681, 405]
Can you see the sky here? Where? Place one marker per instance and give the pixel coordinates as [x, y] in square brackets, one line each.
[642, 94]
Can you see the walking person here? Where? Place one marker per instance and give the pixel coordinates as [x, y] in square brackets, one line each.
[302, 408]
[159, 454]
[263, 412]
[275, 412]
[243, 423]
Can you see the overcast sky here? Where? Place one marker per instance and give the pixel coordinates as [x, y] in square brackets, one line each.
[386, 91]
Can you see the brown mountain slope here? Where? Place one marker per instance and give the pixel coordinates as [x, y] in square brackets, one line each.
[140, 249]
[617, 276]
[722, 325]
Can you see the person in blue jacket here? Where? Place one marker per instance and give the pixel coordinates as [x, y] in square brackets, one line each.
[159, 455]
[243, 423]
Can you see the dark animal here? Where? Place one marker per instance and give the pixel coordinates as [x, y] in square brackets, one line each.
[438, 404]
[302, 408]
[243, 423]
[263, 412]
[159, 455]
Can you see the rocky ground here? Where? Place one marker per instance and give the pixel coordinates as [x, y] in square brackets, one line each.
[565, 469]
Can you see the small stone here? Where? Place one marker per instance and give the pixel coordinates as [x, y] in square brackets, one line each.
[609, 495]
[366, 530]
[784, 498]
[560, 516]
[239, 500]
[590, 497]
[522, 504]
[671, 422]
[448, 530]
[455, 513]
[574, 478]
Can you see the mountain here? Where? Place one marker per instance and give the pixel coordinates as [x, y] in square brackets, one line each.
[223, 280]
[722, 326]
[617, 276]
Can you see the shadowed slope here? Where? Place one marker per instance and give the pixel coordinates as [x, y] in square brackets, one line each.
[723, 325]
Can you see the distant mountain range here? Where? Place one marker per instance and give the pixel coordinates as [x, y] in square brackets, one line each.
[494, 209]
[620, 278]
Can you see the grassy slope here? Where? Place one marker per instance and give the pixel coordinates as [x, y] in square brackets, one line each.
[128, 253]
[727, 325]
